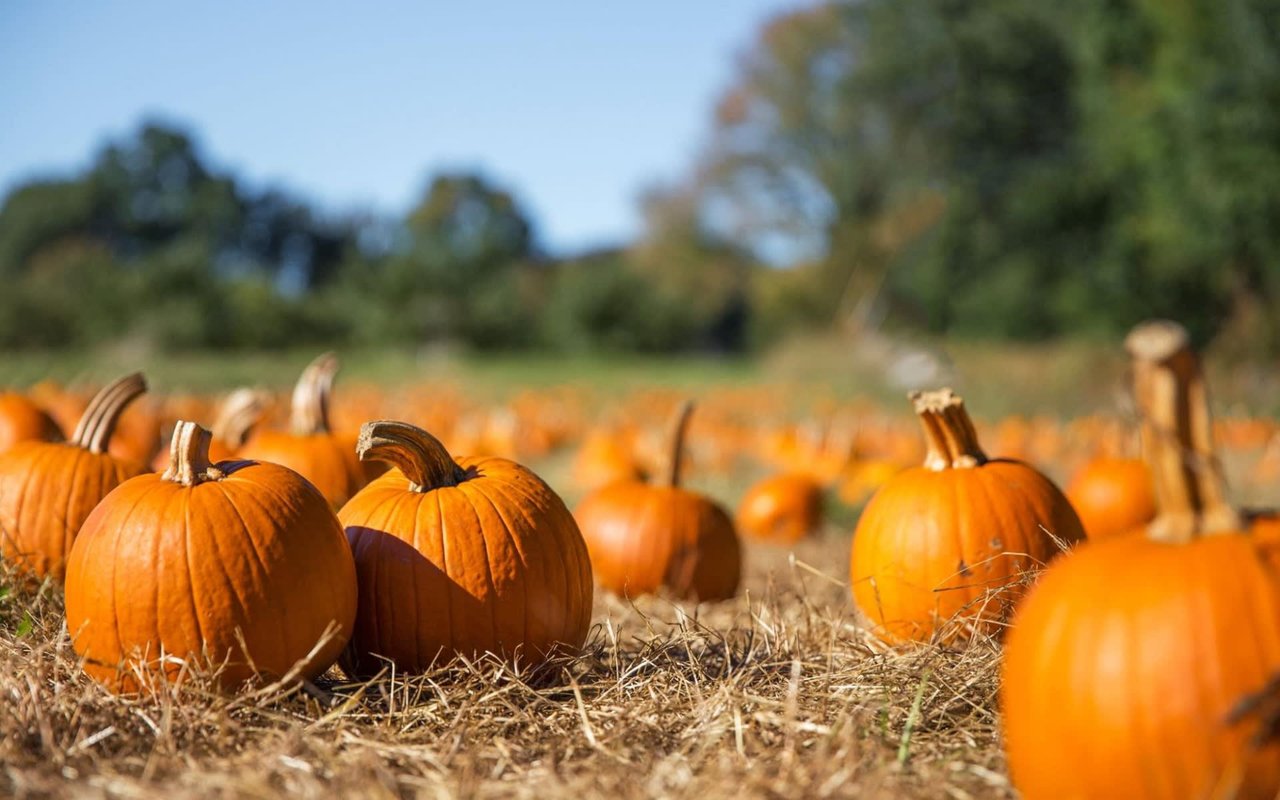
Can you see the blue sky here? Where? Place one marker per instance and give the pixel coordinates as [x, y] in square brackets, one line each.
[576, 106]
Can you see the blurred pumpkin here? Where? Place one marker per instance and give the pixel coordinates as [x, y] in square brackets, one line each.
[238, 414]
[782, 509]
[1165, 640]
[1112, 496]
[643, 537]
[21, 420]
[47, 489]
[310, 447]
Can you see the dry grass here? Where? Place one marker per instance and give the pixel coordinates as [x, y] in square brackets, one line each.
[780, 693]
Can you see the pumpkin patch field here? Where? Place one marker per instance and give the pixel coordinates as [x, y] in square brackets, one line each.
[1030, 572]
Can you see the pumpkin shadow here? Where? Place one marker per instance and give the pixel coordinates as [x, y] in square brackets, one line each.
[410, 613]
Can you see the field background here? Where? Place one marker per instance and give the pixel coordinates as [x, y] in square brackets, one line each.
[780, 692]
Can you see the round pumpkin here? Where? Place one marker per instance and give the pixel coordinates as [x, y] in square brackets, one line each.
[21, 420]
[643, 538]
[474, 555]
[1112, 496]
[782, 509]
[310, 447]
[942, 550]
[47, 489]
[242, 563]
[1166, 644]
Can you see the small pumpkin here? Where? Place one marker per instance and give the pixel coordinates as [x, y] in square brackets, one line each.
[1112, 496]
[643, 537]
[21, 420]
[47, 489]
[942, 550]
[473, 555]
[242, 563]
[782, 509]
[1142, 656]
[310, 447]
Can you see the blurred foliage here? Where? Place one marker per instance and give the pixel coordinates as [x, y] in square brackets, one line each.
[1004, 169]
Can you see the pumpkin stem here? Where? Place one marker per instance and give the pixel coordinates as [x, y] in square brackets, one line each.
[189, 456]
[949, 433]
[242, 409]
[679, 428]
[1172, 399]
[98, 422]
[309, 414]
[418, 454]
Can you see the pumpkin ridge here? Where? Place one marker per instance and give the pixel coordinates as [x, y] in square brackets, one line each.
[263, 569]
[186, 558]
[569, 541]
[450, 584]
[491, 599]
[23, 495]
[539, 542]
[515, 548]
[68, 535]
[120, 527]
[394, 513]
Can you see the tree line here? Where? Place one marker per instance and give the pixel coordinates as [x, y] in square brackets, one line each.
[1006, 169]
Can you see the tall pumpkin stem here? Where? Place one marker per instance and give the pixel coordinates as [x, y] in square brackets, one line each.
[99, 420]
[189, 462]
[1172, 399]
[949, 433]
[309, 413]
[418, 454]
[679, 429]
[242, 409]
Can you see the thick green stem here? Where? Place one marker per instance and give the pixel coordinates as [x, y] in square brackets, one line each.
[949, 433]
[99, 420]
[189, 462]
[418, 454]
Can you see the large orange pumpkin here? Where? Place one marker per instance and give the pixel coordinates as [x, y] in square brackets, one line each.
[782, 509]
[1112, 496]
[943, 550]
[242, 563]
[1133, 667]
[644, 537]
[21, 420]
[310, 447]
[47, 489]
[472, 555]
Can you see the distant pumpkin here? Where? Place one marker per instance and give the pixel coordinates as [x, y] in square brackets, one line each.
[644, 537]
[782, 509]
[310, 447]
[21, 420]
[1112, 496]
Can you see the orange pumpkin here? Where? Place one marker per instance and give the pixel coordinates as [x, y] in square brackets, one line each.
[1112, 496]
[475, 555]
[1164, 643]
[47, 489]
[22, 420]
[941, 550]
[310, 448]
[643, 537]
[242, 563]
[782, 509]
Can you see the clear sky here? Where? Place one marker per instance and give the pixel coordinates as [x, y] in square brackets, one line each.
[576, 106]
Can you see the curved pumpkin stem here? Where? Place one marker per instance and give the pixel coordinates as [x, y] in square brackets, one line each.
[1172, 399]
[189, 456]
[99, 420]
[418, 454]
[242, 409]
[679, 429]
[309, 414]
[948, 431]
